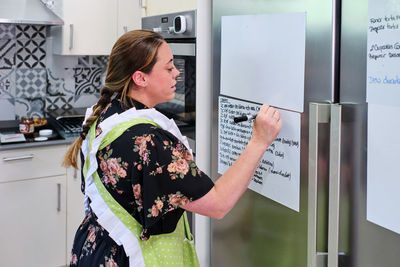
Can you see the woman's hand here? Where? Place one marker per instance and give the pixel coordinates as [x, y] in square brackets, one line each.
[230, 186]
[266, 126]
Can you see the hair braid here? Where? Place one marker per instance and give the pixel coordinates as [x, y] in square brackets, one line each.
[71, 157]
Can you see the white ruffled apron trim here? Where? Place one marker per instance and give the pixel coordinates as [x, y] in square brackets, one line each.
[106, 218]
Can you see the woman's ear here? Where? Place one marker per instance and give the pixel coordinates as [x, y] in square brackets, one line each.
[139, 78]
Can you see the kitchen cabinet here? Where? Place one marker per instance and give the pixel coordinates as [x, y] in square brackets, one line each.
[32, 225]
[91, 27]
[41, 207]
[129, 16]
[159, 7]
[75, 206]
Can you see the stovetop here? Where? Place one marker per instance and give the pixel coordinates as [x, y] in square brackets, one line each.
[68, 123]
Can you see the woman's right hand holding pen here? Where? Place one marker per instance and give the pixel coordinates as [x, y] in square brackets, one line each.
[266, 127]
[232, 184]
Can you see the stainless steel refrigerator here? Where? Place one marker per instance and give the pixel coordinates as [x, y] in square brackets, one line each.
[331, 227]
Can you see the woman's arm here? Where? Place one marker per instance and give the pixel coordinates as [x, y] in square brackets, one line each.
[231, 185]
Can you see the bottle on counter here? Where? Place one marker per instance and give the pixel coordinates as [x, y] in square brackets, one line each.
[26, 125]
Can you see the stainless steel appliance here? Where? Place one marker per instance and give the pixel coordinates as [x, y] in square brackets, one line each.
[27, 12]
[179, 30]
[68, 123]
[331, 228]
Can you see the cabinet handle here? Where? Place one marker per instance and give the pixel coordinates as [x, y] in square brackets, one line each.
[71, 36]
[75, 174]
[58, 197]
[125, 28]
[29, 156]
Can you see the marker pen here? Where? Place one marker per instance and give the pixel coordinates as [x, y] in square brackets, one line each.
[244, 118]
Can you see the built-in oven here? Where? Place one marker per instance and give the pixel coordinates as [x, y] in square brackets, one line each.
[179, 30]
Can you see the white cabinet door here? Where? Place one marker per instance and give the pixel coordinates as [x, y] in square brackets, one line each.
[90, 27]
[32, 224]
[129, 16]
[75, 206]
[158, 7]
[34, 162]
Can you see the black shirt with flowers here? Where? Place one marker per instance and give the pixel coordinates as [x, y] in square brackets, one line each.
[150, 173]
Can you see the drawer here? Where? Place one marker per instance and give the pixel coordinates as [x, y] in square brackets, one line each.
[28, 163]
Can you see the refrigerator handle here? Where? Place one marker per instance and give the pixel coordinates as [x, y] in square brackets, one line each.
[319, 113]
[334, 185]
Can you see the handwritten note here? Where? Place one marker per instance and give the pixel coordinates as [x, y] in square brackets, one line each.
[383, 94]
[383, 55]
[278, 175]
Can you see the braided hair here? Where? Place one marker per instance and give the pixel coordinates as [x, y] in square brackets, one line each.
[133, 51]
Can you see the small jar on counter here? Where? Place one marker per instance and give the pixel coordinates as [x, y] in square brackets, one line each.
[26, 125]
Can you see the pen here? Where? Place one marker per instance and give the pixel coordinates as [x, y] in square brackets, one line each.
[244, 118]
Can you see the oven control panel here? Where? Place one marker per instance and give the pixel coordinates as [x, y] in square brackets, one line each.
[173, 25]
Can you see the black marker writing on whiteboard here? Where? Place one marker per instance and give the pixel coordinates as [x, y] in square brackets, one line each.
[244, 118]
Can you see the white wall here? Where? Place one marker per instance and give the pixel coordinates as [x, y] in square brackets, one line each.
[157, 7]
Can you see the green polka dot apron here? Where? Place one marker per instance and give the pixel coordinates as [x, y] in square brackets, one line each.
[173, 249]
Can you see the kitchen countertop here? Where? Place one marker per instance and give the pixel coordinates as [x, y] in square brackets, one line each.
[188, 132]
[12, 126]
[21, 145]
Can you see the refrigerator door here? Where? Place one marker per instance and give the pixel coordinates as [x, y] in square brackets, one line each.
[259, 231]
[370, 244]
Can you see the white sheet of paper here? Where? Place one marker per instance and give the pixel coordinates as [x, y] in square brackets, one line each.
[383, 97]
[278, 175]
[262, 58]
[383, 54]
[383, 184]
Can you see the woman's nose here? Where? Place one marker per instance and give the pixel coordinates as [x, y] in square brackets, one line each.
[176, 73]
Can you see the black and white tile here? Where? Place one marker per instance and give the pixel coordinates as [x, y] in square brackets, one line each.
[55, 85]
[64, 102]
[60, 72]
[34, 107]
[7, 83]
[33, 80]
[7, 53]
[7, 108]
[7, 31]
[87, 81]
[31, 83]
[31, 53]
[86, 100]
[101, 62]
[85, 61]
[31, 32]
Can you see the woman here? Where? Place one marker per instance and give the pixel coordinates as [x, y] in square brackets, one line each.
[138, 171]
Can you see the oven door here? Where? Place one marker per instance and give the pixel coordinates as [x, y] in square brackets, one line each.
[183, 49]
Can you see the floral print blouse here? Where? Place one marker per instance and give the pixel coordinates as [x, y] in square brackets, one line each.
[150, 173]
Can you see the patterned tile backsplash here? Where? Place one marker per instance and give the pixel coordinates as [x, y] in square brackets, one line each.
[34, 81]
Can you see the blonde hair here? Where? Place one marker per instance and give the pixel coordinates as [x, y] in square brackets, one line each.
[133, 51]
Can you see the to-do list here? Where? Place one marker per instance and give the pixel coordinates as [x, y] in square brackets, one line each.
[383, 54]
[278, 175]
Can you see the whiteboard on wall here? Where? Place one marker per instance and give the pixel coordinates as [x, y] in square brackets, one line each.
[278, 174]
[262, 58]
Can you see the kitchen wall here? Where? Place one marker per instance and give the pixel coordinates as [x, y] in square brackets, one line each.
[33, 80]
